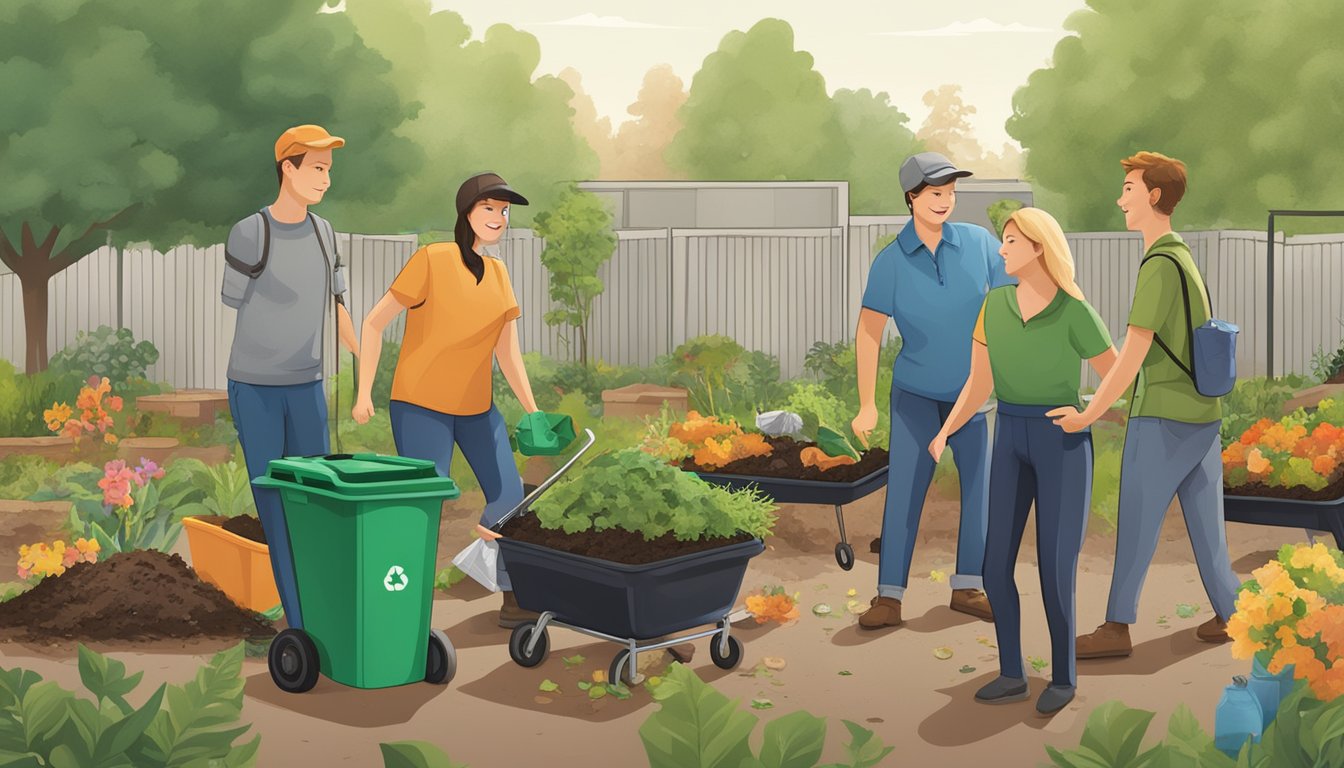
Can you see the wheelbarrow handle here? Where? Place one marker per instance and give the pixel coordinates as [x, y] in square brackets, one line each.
[536, 492]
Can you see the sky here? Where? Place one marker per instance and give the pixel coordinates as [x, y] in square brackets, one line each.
[987, 46]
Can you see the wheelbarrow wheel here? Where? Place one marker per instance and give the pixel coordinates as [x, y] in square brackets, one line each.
[729, 661]
[844, 555]
[518, 645]
[441, 660]
[293, 661]
[622, 670]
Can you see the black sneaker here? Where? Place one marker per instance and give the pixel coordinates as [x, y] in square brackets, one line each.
[1004, 690]
[1055, 698]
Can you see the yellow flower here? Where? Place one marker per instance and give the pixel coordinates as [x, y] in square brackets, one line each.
[109, 438]
[1253, 610]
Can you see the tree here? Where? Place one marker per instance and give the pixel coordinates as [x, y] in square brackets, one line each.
[757, 110]
[640, 144]
[136, 120]
[1251, 104]
[483, 109]
[579, 240]
[595, 130]
[999, 211]
[879, 142]
[948, 131]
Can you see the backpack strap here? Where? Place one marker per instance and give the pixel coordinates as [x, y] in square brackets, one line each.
[317, 232]
[1189, 322]
[253, 271]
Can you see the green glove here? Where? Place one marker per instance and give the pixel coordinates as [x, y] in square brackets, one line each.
[833, 443]
[544, 434]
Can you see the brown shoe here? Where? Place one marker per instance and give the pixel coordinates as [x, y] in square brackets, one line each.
[1108, 640]
[972, 602]
[1213, 631]
[875, 546]
[510, 615]
[885, 612]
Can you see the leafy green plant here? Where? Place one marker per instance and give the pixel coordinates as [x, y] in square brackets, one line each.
[999, 211]
[415, 754]
[696, 725]
[1254, 399]
[152, 521]
[43, 724]
[1326, 366]
[634, 491]
[21, 476]
[706, 362]
[579, 240]
[226, 490]
[110, 352]
[23, 397]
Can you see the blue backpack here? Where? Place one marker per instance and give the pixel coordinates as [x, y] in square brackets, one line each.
[1213, 345]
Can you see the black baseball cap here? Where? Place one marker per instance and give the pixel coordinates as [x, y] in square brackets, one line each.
[485, 185]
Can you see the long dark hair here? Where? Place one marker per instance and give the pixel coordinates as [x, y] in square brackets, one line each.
[466, 243]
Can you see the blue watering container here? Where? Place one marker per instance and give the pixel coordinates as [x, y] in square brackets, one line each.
[1270, 690]
[1237, 718]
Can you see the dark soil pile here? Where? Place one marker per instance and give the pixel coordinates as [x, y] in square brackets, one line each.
[785, 460]
[246, 526]
[1330, 492]
[141, 595]
[616, 545]
[1338, 378]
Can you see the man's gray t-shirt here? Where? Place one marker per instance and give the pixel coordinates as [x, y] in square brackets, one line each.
[277, 340]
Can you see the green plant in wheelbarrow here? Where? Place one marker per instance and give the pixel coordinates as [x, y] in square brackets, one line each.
[631, 547]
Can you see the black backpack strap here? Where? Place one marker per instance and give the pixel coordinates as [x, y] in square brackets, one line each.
[253, 271]
[317, 232]
[1189, 322]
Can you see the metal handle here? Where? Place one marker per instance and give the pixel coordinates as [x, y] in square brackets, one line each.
[536, 492]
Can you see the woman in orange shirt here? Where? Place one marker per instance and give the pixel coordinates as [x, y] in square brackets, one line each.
[461, 318]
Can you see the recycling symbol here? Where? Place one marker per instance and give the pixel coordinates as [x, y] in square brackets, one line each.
[395, 580]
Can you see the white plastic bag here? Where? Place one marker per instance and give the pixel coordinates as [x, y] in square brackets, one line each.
[480, 561]
[779, 423]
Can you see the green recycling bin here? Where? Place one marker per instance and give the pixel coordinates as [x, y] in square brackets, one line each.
[364, 532]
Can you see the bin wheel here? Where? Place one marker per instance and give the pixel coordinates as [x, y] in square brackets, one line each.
[518, 645]
[293, 661]
[844, 555]
[441, 660]
[621, 669]
[733, 658]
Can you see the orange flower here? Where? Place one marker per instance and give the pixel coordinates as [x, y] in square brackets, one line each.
[1256, 463]
[1324, 465]
[109, 438]
[115, 403]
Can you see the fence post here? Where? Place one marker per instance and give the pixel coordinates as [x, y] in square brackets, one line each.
[1269, 300]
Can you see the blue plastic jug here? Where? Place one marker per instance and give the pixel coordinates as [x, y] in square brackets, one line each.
[1270, 690]
[1237, 718]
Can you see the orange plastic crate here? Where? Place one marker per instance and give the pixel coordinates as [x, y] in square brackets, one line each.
[240, 567]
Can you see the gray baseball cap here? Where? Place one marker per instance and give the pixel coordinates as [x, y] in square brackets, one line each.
[929, 168]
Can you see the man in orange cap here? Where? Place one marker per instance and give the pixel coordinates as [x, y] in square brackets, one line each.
[282, 274]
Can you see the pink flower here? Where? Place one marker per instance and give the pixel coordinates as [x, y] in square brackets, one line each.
[24, 572]
[115, 403]
[93, 382]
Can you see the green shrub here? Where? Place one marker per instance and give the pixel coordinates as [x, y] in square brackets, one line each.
[225, 490]
[23, 398]
[42, 723]
[1108, 446]
[1254, 399]
[110, 352]
[415, 754]
[22, 476]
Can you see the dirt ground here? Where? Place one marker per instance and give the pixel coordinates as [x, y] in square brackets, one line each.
[492, 714]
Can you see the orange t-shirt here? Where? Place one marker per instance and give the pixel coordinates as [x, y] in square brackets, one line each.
[452, 326]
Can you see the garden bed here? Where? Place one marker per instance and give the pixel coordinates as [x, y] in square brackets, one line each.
[785, 461]
[1331, 492]
[615, 544]
[143, 595]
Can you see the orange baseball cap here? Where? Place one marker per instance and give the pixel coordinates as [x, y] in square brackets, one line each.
[302, 137]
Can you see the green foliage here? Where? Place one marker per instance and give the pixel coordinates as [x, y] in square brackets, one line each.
[698, 727]
[23, 397]
[415, 754]
[448, 578]
[225, 490]
[706, 361]
[1113, 737]
[1108, 444]
[109, 352]
[22, 476]
[579, 240]
[1254, 399]
[634, 491]
[836, 365]
[758, 110]
[153, 521]
[1325, 367]
[879, 141]
[999, 211]
[42, 723]
[1245, 94]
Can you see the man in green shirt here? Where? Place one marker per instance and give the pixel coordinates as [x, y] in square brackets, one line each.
[1172, 447]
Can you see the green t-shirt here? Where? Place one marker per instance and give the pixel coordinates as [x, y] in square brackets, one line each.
[1039, 362]
[1163, 390]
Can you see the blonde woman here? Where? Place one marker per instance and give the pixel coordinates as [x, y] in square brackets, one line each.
[1030, 342]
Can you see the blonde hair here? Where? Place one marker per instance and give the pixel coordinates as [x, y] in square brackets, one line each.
[1041, 228]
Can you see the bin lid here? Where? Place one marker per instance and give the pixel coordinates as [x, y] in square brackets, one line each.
[362, 474]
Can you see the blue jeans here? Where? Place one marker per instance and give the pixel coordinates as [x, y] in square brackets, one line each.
[1037, 462]
[1162, 459]
[484, 439]
[914, 422]
[273, 422]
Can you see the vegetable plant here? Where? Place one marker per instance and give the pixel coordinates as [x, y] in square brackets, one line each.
[634, 491]
[1299, 449]
[227, 492]
[196, 724]
[707, 362]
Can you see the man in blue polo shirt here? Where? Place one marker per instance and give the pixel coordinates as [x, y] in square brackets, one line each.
[932, 281]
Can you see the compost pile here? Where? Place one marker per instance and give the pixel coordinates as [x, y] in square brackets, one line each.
[139, 596]
[1331, 492]
[614, 544]
[785, 461]
[246, 526]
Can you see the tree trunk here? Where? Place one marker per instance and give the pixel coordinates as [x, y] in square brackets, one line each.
[583, 345]
[34, 287]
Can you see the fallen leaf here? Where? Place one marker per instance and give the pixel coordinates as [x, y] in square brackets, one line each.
[855, 607]
[942, 652]
[966, 670]
[597, 691]
[937, 576]
[599, 675]
[1037, 663]
[762, 704]
[584, 685]
[774, 662]
[573, 661]
[1162, 620]
[985, 641]
[821, 609]
[845, 673]
[821, 587]
[777, 683]
[1186, 611]
[619, 690]
[542, 699]
[548, 687]
[653, 681]
[852, 592]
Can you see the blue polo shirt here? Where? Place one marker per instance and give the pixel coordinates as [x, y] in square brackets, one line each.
[935, 299]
